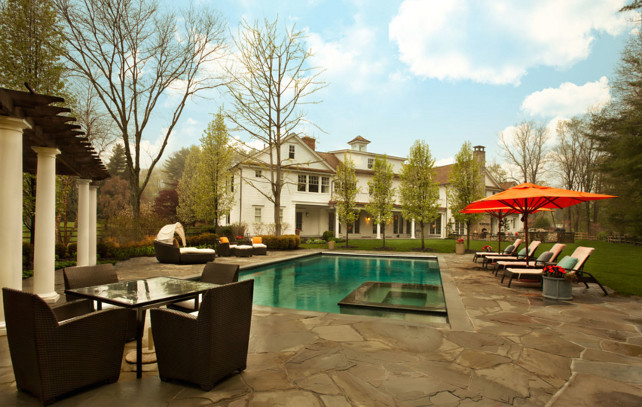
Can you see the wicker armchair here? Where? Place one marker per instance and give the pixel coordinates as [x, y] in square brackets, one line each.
[52, 358]
[85, 276]
[215, 273]
[205, 349]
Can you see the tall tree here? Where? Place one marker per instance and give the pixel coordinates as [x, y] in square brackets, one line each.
[117, 165]
[31, 46]
[345, 191]
[132, 54]
[526, 150]
[187, 204]
[382, 197]
[208, 188]
[271, 80]
[466, 186]
[174, 166]
[618, 132]
[418, 191]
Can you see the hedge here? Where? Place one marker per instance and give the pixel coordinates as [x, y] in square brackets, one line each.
[283, 242]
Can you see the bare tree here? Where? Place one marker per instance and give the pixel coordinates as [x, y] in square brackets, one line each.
[271, 80]
[526, 149]
[92, 118]
[132, 55]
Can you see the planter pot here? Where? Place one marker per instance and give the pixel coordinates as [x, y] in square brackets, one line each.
[331, 245]
[556, 288]
[459, 248]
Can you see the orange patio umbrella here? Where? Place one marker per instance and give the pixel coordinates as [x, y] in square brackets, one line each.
[528, 198]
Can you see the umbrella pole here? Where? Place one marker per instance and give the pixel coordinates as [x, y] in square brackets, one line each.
[526, 234]
[499, 233]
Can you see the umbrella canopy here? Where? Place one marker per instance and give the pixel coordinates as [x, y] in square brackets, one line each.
[528, 198]
[166, 234]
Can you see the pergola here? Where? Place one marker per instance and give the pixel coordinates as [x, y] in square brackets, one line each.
[37, 137]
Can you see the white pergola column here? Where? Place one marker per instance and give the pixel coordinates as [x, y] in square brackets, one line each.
[378, 230]
[10, 206]
[83, 223]
[412, 229]
[44, 253]
[93, 194]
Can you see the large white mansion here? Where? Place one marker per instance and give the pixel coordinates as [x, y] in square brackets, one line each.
[307, 201]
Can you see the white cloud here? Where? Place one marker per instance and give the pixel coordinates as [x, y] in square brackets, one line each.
[497, 42]
[352, 58]
[568, 99]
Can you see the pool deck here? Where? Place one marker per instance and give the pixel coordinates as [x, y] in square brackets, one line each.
[504, 347]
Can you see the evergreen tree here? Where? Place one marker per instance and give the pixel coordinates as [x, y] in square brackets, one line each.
[418, 191]
[346, 190]
[466, 186]
[383, 194]
[175, 165]
[117, 165]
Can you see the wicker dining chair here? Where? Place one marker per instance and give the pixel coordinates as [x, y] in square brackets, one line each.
[85, 276]
[51, 357]
[206, 348]
[215, 273]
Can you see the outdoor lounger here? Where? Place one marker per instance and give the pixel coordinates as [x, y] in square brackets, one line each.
[581, 254]
[522, 255]
[513, 250]
[546, 257]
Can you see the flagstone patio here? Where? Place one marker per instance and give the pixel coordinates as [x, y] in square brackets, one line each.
[511, 347]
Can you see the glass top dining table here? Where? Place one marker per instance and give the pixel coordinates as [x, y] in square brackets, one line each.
[140, 295]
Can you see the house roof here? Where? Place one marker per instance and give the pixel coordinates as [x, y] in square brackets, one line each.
[50, 129]
[359, 139]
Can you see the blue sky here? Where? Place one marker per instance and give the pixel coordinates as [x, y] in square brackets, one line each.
[442, 71]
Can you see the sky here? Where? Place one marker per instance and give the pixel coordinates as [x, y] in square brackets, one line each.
[445, 72]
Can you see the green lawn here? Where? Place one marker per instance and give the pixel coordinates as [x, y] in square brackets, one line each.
[615, 265]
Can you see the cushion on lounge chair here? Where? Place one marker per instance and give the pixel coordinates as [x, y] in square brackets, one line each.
[223, 239]
[257, 240]
[544, 257]
[567, 262]
[522, 252]
[509, 249]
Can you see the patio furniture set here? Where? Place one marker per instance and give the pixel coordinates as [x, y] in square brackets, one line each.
[201, 337]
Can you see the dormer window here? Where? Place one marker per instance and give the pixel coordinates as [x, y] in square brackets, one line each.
[370, 163]
[291, 153]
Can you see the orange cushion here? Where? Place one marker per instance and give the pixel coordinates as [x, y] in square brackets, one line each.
[257, 240]
[224, 240]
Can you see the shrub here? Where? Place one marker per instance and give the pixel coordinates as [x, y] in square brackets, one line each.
[204, 239]
[327, 235]
[122, 228]
[72, 250]
[61, 250]
[226, 231]
[27, 256]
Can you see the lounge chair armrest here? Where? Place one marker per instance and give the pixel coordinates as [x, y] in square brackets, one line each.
[73, 309]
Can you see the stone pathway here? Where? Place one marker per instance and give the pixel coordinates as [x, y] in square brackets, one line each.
[518, 350]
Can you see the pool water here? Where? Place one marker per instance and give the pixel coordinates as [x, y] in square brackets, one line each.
[318, 283]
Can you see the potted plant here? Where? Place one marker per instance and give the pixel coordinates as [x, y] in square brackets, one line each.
[557, 283]
[459, 246]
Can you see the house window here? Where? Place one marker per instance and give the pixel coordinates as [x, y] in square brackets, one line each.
[325, 184]
[257, 215]
[291, 155]
[232, 183]
[299, 221]
[302, 182]
[258, 173]
[370, 163]
[314, 184]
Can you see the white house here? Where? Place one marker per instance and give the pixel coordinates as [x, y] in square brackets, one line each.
[307, 201]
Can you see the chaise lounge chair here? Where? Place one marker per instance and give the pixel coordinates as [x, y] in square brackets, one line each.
[541, 261]
[574, 262]
[522, 255]
[166, 252]
[509, 250]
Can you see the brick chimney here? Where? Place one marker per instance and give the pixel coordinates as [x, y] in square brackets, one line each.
[309, 141]
[479, 154]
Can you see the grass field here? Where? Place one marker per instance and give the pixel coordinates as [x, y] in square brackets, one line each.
[616, 265]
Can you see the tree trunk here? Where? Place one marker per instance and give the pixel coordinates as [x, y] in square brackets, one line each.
[346, 235]
[383, 230]
[468, 222]
[421, 225]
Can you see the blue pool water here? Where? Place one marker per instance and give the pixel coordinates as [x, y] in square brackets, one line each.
[318, 283]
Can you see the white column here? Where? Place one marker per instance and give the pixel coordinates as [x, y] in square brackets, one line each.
[44, 253]
[336, 223]
[93, 194]
[378, 230]
[10, 206]
[83, 223]
[412, 229]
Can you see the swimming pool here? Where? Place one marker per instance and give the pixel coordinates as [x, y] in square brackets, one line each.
[319, 282]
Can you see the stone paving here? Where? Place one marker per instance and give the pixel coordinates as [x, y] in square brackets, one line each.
[514, 349]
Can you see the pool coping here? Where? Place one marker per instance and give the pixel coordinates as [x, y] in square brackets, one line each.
[458, 318]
